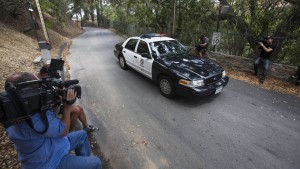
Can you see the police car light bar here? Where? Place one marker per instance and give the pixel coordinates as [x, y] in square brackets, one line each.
[151, 35]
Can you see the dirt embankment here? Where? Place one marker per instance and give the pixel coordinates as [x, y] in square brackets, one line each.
[17, 52]
[19, 49]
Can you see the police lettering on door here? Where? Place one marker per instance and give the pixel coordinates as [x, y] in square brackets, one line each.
[142, 62]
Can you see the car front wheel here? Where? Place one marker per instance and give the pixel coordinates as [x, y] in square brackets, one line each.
[122, 62]
[166, 87]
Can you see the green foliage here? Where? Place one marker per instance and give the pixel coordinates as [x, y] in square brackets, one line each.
[192, 16]
[111, 13]
[255, 18]
[56, 8]
[291, 51]
[49, 24]
[14, 8]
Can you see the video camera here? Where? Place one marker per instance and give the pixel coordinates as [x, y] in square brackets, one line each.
[22, 100]
[263, 40]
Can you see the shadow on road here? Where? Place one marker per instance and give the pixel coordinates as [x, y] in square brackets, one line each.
[195, 101]
[95, 147]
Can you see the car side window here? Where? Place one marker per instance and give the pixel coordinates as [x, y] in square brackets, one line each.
[143, 48]
[130, 45]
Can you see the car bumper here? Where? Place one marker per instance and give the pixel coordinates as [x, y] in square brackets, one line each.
[202, 91]
[116, 53]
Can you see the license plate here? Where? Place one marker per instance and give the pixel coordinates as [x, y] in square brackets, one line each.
[219, 89]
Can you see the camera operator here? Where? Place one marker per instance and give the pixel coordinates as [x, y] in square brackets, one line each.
[50, 149]
[77, 111]
[266, 48]
[202, 45]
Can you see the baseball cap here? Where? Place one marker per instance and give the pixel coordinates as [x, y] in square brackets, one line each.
[267, 37]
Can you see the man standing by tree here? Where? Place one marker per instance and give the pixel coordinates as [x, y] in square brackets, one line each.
[266, 49]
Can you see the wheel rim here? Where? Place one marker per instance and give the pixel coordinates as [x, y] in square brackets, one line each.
[165, 86]
[122, 62]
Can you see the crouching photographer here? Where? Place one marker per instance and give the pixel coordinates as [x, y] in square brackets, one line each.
[77, 111]
[202, 45]
[40, 138]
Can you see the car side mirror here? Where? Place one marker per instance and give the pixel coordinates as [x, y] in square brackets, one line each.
[146, 55]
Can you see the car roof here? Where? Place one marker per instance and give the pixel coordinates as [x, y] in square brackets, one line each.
[153, 38]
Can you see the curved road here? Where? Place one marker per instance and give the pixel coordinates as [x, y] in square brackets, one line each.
[242, 128]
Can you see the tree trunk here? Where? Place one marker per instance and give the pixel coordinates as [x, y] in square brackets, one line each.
[98, 15]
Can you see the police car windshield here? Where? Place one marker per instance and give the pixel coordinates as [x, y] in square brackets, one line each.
[168, 48]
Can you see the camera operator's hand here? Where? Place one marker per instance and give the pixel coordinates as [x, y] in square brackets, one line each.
[265, 48]
[71, 95]
[260, 44]
[70, 98]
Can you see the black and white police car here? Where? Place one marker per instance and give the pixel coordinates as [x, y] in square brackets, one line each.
[169, 63]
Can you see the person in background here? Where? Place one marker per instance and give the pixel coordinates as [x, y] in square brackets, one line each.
[202, 45]
[48, 149]
[266, 49]
[296, 75]
[77, 111]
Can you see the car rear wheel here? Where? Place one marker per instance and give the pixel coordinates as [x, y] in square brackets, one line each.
[122, 63]
[166, 87]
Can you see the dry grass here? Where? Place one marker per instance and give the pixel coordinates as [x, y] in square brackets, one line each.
[270, 83]
[17, 51]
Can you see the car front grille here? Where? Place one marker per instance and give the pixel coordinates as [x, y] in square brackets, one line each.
[213, 79]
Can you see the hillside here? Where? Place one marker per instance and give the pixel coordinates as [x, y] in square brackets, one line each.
[22, 48]
[17, 52]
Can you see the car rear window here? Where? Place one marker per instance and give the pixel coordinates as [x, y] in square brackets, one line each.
[143, 48]
[130, 45]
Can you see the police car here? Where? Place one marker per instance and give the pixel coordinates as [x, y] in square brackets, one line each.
[170, 64]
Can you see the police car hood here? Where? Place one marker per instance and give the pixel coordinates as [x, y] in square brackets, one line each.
[190, 66]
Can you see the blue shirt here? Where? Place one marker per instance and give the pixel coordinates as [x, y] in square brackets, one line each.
[37, 151]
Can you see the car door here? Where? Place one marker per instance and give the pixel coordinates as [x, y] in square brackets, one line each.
[144, 64]
[129, 52]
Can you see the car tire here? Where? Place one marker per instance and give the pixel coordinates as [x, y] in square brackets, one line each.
[123, 63]
[166, 87]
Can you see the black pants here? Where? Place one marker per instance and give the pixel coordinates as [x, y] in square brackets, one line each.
[266, 65]
[198, 48]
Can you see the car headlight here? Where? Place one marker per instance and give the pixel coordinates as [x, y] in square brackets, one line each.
[224, 73]
[193, 83]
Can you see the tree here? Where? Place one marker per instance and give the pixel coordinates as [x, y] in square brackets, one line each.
[259, 20]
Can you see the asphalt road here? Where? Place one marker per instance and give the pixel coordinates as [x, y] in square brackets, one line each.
[244, 127]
